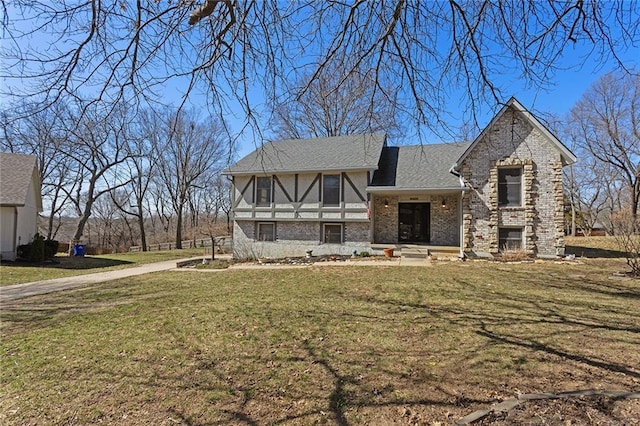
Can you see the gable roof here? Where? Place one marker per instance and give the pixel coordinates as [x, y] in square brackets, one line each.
[16, 174]
[419, 167]
[339, 153]
[567, 156]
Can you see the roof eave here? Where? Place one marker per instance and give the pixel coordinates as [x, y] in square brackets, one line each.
[394, 189]
[292, 171]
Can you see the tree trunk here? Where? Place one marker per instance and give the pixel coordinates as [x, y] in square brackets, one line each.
[143, 234]
[83, 221]
[213, 248]
[179, 229]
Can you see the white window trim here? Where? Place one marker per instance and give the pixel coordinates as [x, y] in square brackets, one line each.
[270, 191]
[339, 190]
[259, 224]
[324, 225]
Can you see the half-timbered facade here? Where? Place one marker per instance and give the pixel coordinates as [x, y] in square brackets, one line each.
[503, 191]
[292, 196]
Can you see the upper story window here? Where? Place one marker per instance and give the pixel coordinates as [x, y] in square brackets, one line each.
[331, 190]
[263, 191]
[510, 187]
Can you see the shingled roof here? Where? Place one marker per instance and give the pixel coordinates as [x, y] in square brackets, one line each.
[16, 172]
[420, 167]
[340, 153]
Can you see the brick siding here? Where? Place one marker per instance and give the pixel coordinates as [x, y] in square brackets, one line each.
[513, 141]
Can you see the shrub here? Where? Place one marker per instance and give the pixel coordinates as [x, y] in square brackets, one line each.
[37, 252]
[50, 248]
[513, 255]
[627, 236]
[23, 251]
[38, 249]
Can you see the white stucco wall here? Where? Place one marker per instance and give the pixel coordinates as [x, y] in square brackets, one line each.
[7, 226]
[21, 228]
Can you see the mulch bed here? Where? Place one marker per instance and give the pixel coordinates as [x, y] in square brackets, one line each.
[315, 259]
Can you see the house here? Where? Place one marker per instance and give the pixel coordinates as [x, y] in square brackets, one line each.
[337, 195]
[20, 202]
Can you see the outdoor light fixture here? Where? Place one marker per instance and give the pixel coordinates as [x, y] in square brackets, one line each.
[444, 203]
[386, 203]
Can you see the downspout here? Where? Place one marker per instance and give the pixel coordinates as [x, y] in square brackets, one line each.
[460, 210]
[371, 213]
[15, 234]
[231, 216]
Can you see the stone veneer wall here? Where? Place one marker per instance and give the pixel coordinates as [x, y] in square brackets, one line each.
[513, 141]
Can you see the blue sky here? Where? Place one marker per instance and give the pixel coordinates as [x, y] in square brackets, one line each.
[563, 90]
[557, 98]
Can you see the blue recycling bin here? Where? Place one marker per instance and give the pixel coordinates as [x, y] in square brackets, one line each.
[79, 249]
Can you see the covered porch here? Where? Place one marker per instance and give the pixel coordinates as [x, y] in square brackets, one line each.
[417, 224]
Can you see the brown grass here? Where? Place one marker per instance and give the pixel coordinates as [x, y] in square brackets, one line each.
[594, 247]
[325, 345]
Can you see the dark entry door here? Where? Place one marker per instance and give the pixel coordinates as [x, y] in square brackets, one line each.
[413, 222]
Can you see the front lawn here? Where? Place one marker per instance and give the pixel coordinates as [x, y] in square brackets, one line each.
[323, 345]
[65, 266]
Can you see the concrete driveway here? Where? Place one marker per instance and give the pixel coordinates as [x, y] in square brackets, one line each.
[20, 291]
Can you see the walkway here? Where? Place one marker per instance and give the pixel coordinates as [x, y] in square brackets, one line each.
[20, 291]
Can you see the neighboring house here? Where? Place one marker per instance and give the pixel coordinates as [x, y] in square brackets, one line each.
[20, 202]
[597, 230]
[503, 191]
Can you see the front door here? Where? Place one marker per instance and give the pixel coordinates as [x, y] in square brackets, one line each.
[413, 222]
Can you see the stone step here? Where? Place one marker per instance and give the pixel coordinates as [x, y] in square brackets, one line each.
[425, 252]
[414, 253]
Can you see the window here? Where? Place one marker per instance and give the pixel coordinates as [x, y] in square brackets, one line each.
[510, 187]
[266, 231]
[332, 233]
[263, 191]
[331, 190]
[510, 239]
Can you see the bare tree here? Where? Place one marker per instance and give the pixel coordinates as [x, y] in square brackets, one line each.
[140, 167]
[589, 184]
[99, 147]
[628, 238]
[111, 228]
[187, 152]
[336, 103]
[44, 133]
[215, 210]
[608, 116]
[228, 48]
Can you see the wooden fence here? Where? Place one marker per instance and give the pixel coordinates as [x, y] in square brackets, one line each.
[223, 244]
